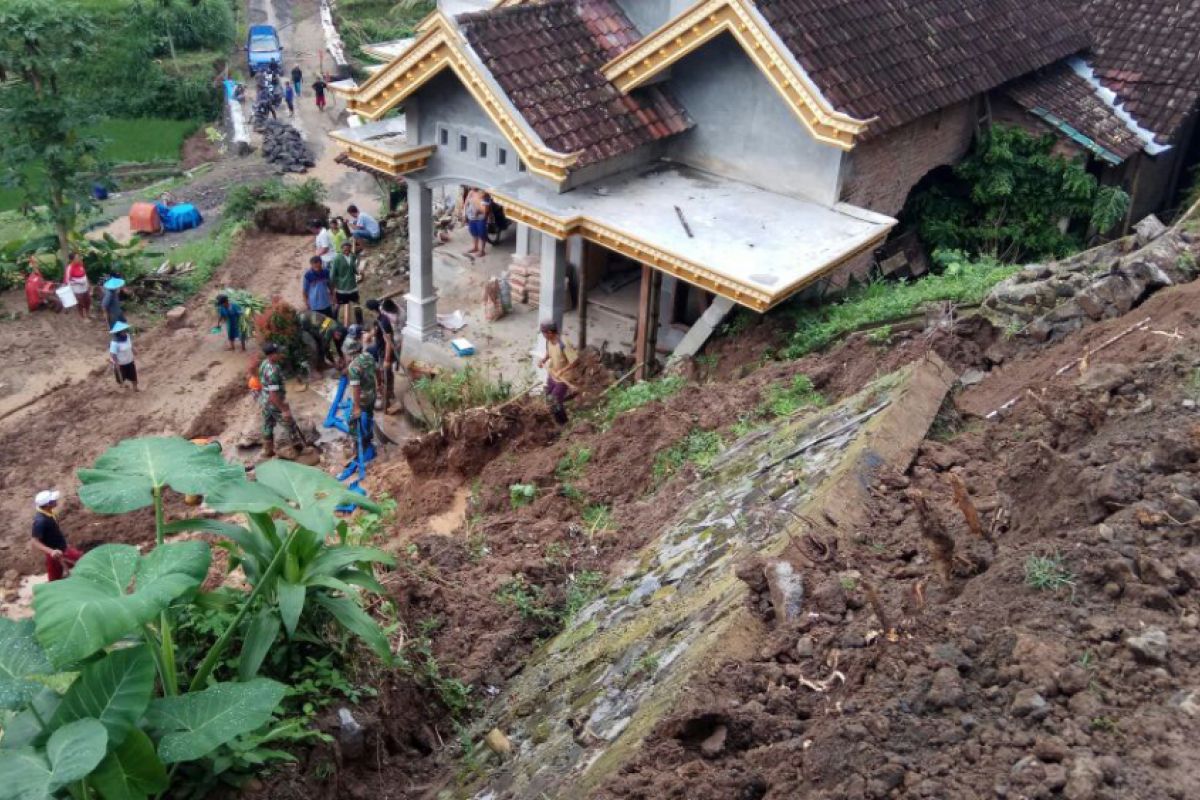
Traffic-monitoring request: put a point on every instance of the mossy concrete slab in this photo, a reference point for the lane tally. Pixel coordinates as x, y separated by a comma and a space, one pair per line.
590, 696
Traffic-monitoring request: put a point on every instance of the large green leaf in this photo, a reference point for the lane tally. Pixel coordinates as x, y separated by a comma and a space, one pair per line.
125, 476
96, 605
114, 690
252, 542
72, 752
24, 730
260, 635
193, 725
351, 617
131, 772
333, 560
291, 603
312, 495
21, 658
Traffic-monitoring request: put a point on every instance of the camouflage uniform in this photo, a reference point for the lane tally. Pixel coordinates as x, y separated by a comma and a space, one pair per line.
271, 378
361, 373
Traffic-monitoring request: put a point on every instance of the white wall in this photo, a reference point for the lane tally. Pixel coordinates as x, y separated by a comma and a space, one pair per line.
744, 129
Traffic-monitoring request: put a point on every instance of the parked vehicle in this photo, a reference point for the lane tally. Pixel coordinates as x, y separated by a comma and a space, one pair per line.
263, 48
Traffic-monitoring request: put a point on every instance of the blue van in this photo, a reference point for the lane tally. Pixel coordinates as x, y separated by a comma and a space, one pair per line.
263, 47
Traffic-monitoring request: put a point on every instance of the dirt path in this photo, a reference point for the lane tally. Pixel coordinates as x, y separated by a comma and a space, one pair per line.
188, 379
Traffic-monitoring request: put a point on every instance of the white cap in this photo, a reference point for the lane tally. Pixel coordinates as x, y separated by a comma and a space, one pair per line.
46, 497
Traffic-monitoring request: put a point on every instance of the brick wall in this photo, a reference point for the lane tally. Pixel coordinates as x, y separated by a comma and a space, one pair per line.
879, 174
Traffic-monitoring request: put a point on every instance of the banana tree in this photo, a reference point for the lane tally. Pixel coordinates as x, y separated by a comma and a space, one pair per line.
292, 565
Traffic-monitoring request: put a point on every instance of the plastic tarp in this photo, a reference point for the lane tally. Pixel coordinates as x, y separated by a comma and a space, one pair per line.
179, 217
143, 218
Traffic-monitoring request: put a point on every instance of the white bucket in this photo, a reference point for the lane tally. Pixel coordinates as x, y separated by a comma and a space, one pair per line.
66, 296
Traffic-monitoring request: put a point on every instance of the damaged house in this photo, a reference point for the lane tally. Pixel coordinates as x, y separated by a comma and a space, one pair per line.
736, 152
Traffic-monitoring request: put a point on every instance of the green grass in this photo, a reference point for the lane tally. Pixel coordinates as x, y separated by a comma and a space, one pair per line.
627, 398
1048, 574
598, 517
363, 22
126, 141
782, 400
698, 447
882, 301
571, 466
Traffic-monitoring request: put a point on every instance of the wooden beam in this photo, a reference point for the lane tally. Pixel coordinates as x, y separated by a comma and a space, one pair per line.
581, 291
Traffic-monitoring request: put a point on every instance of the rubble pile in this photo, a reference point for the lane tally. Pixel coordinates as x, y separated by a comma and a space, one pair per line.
1049, 301
283, 147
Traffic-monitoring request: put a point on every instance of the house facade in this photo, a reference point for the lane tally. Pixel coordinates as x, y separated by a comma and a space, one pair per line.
740, 151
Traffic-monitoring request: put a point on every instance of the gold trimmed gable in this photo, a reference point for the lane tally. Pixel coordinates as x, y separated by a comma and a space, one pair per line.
697, 274
707, 20
439, 46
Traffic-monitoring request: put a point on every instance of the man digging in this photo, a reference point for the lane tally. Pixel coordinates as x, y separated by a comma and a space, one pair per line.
275, 408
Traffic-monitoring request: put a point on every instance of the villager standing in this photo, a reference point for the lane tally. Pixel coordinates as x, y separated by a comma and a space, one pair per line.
75, 276
48, 537
229, 314
316, 288
386, 353
289, 97
560, 361
343, 274
297, 79
111, 302
475, 214
275, 408
361, 375
120, 353
319, 92
322, 241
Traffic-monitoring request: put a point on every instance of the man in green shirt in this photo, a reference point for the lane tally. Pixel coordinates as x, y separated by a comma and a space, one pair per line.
343, 274
361, 377
273, 397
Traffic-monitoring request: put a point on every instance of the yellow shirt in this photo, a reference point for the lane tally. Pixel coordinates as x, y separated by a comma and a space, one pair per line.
561, 355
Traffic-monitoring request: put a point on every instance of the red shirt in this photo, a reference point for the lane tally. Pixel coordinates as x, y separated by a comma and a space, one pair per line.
75, 270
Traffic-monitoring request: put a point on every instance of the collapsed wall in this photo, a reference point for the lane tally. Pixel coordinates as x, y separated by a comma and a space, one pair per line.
589, 697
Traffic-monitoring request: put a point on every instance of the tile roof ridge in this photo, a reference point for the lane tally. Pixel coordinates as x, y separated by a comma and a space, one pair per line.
504, 12
1084, 69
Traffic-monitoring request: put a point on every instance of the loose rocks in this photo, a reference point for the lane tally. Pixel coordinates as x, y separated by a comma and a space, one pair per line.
283, 147
1149, 647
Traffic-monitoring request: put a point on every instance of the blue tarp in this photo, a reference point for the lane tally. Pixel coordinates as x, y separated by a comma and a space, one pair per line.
180, 217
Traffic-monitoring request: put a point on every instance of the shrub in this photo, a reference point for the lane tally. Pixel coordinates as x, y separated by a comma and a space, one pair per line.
455, 390
790, 398
280, 324
699, 447
627, 398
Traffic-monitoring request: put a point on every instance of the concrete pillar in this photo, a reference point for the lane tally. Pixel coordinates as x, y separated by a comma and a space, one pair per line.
422, 297
528, 240
552, 301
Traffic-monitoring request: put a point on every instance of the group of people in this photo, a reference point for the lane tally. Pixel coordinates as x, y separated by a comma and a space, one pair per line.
272, 90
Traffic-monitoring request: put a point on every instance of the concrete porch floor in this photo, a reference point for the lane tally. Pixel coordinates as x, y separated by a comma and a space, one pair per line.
509, 347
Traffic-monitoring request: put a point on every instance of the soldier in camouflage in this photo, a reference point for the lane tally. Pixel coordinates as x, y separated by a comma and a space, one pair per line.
275, 409
361, 377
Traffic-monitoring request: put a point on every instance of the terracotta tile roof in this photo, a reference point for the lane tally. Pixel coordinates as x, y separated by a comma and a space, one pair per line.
1059, 95
547, 59
1148, 52
901, 59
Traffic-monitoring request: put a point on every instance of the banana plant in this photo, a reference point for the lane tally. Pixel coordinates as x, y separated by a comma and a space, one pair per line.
292, 565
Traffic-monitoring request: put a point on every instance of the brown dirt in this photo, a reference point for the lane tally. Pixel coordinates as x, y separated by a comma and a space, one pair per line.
991, 688
190, 386
287, 219
197, 150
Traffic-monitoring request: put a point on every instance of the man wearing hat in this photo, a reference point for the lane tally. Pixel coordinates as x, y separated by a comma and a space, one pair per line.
560, 360
48, 537
120, 352
111, 302
229, 314
275, 408
361, 376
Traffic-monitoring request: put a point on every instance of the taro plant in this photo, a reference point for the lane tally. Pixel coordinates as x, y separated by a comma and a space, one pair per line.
94, 702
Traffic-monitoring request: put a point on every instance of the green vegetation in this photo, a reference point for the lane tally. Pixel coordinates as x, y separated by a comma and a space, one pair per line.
882, 301
627, 398
534, 603
1191, 386
782, 400
571, 466
521, 494
1009, 196
363, 22
1048, 573
698, 448
598, 517
456, 390
129, 666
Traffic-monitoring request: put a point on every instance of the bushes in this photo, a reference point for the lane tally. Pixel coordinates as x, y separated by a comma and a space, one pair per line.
1009, 197
457, 390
